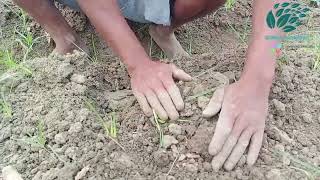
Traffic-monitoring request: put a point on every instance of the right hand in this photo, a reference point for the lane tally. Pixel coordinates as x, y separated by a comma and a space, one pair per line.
153, 86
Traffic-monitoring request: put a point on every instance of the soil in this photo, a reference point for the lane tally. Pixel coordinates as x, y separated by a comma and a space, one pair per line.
76, 143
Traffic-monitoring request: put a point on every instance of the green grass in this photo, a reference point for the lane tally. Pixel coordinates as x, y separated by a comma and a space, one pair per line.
160, 131
109, 128
39, 140
311, 171
204, 93
94, 49
230, 4
5, 108
8, 62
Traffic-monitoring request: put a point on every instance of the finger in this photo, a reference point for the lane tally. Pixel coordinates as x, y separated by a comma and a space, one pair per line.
238, 150
222, 131
215, 103
255, 146
155, 104
221, 157
174, 93
180, 74
143, 103
167, 104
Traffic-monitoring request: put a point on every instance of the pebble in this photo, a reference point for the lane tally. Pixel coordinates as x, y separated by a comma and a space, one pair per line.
5, 134
60, 138
191, 167
10, 173
175, 129
283, 135
280, 107
81, 174
192, 156
169, 140
71, 152
78, 78
182, 157
274, 174
203, 102
207, 166
75, 128
171, 178
306, 117
279, 147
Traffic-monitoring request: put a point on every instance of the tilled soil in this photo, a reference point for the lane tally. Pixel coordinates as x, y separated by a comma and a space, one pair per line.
76, 142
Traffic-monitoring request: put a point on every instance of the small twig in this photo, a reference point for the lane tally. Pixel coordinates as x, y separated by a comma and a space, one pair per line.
175, 160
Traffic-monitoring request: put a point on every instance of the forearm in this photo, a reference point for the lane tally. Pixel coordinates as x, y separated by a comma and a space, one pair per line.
260, 62
109, 22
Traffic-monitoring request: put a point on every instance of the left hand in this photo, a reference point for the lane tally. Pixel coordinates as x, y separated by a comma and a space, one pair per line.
244, 107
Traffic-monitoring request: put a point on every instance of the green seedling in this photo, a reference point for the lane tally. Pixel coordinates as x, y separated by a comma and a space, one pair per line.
27, 41
156, 120
5, 108
8, 61
40, 140
312, 172
94, 49
204, 93
110, 129
230, 4
113, 128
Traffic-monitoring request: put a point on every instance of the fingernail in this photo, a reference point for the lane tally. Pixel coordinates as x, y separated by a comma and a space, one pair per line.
212, 151
228, 166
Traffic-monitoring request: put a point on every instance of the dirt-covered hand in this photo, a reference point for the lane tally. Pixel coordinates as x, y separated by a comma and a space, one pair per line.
154, 88
244, 107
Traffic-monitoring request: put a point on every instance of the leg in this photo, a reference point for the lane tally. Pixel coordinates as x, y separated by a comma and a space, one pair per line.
184, 11
45, 13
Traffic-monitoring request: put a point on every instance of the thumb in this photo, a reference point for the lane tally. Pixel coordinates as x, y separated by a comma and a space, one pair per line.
180, 74
215, 103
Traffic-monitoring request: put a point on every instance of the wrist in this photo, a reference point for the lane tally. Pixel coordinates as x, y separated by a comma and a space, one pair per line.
137, 63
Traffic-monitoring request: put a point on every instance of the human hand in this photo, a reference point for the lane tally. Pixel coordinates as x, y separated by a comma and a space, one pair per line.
153, 86
244, 107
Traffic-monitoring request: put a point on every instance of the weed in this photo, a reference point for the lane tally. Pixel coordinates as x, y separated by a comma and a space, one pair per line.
5, 108
230, 4
243, 36
40, 140
311, 171
27, 41
204, 93
110, 129
8, 61
156, 120
94, 49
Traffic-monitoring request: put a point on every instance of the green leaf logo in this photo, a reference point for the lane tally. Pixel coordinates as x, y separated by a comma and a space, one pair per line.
295, 5
271, 21
288, 28
285, 4
306, 10
287, 10
279, 12
302, 15
293, 19
283, 20
286, 16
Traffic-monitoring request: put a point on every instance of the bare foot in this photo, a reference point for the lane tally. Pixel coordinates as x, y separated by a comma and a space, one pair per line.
69, 43
167, 41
